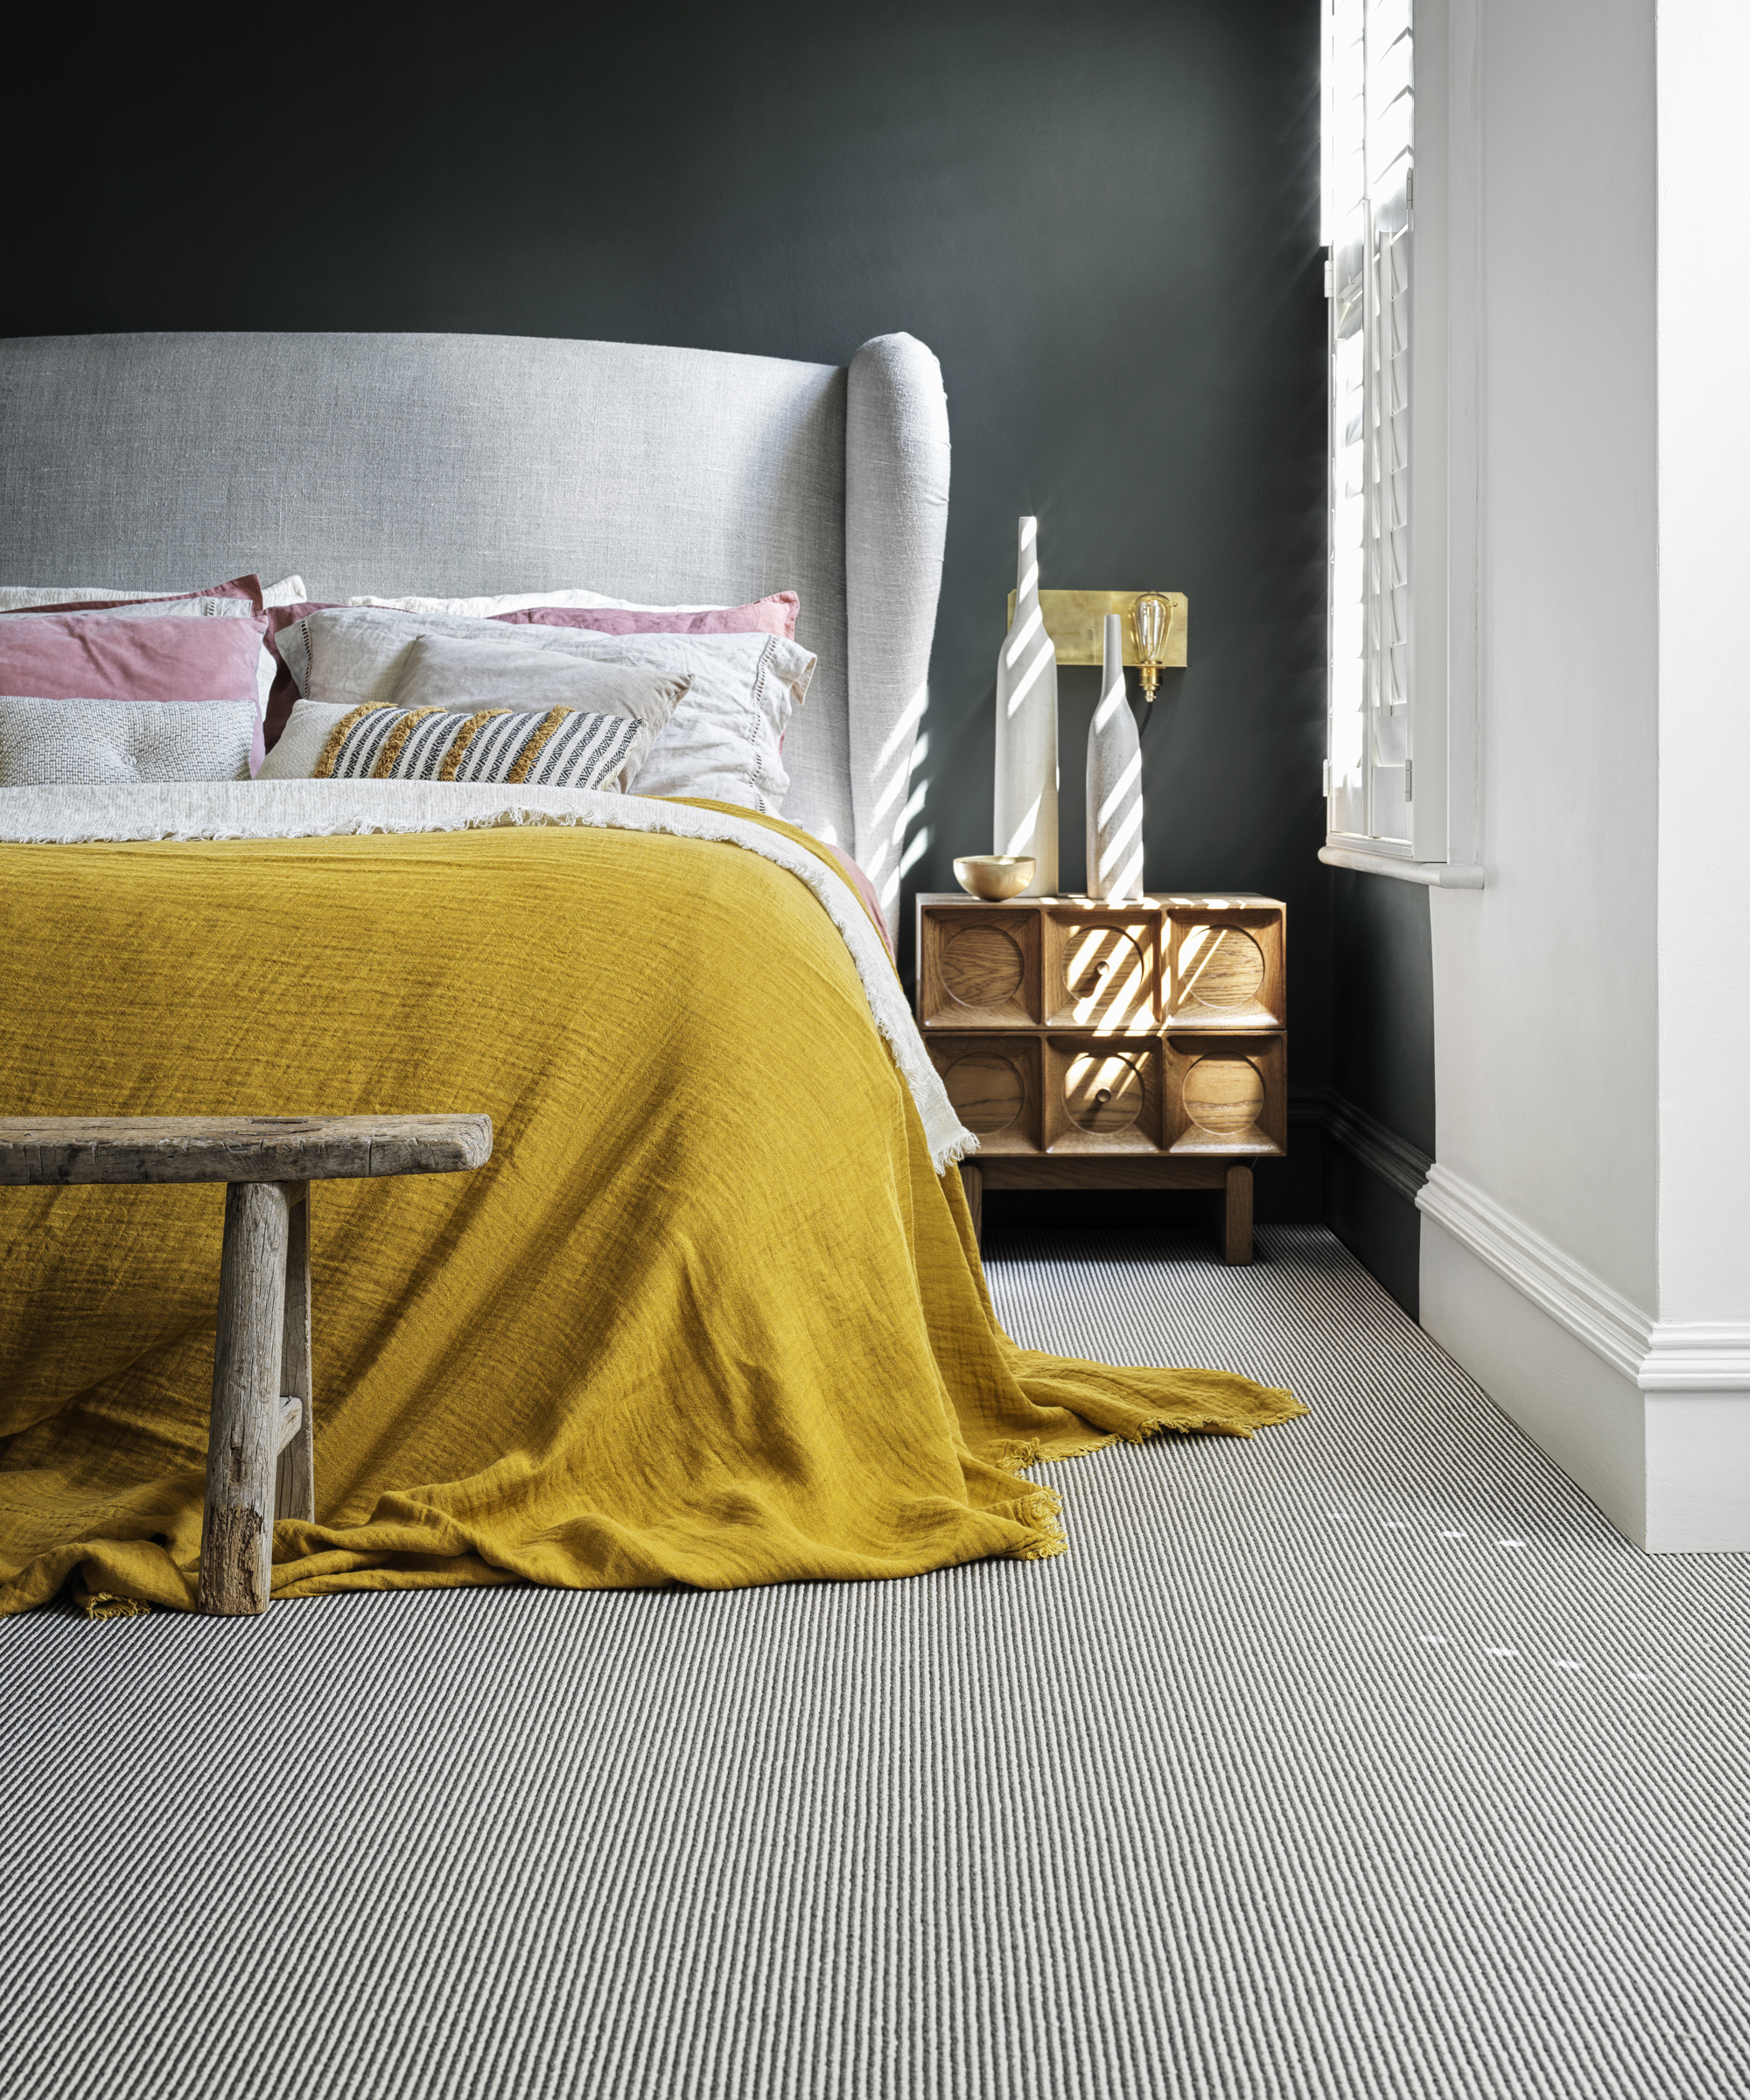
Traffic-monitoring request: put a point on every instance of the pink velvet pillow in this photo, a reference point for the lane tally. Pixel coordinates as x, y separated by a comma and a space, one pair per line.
774, 615
87, 657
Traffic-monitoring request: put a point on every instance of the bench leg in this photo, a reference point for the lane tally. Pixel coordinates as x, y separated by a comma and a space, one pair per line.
295, 1489
1236, 1217
244, 1441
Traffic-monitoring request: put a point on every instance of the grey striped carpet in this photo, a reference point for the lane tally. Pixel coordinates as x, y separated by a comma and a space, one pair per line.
1363, 1759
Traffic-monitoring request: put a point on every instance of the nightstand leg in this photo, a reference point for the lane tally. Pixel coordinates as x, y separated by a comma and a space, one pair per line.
972, 1181
1236, 1217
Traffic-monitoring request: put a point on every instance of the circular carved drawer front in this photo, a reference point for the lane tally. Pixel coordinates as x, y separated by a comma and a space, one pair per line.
1224, 1096
1103, 972
982, 967
988, 1091
1220, 966
1104, 1094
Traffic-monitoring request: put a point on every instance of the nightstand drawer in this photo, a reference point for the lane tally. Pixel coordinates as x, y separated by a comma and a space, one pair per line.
1225, 1096
993, 1082
1103, 969
1102, 1095
978, 967
1223, 965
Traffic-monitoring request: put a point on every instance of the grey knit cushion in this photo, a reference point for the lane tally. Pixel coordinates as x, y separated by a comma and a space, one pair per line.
98, 743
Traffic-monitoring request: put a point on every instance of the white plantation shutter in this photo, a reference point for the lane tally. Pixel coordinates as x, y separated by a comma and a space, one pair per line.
1369, 143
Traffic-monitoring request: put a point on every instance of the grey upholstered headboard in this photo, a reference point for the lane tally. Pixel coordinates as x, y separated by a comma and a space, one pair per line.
457, 465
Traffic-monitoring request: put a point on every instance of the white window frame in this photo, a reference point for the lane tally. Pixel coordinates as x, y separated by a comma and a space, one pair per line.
1443, 848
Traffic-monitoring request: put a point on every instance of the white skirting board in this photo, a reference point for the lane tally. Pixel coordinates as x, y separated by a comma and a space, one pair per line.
1587, 1416
1653, 1421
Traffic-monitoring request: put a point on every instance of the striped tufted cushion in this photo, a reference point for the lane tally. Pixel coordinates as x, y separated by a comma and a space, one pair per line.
565, 747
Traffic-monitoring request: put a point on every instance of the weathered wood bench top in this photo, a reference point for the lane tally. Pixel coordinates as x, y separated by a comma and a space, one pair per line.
55, 1150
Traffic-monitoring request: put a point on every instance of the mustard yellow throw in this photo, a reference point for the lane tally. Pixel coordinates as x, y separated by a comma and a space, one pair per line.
707, 1317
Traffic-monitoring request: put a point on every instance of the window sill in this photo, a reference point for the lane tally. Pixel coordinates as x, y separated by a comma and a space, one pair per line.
1432, 874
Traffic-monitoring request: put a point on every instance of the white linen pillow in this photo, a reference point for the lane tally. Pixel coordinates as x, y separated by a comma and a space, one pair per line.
473, 671
724, 740
20, 597
302, 742
142, 608
105, 743
489, 608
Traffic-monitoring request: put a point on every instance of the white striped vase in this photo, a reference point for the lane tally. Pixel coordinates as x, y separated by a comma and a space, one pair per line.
1115, 782
1026, 728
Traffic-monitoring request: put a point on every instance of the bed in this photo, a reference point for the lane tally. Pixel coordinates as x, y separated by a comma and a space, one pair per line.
714, 1314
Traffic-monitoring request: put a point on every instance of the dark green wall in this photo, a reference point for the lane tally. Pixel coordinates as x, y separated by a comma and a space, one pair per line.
1102, 218
1382, 1024
1382, 1062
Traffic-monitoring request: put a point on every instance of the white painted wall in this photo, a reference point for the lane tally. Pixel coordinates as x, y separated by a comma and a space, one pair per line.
1703, 668
1591, 1001
1545, 1024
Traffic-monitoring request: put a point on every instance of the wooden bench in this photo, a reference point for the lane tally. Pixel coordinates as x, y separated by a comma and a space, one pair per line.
259, 1462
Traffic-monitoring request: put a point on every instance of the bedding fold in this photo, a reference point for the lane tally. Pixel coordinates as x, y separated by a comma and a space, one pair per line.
711, 1315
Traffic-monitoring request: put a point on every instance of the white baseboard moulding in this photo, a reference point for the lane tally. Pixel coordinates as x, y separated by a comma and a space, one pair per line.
1401, 1166
1651, 1419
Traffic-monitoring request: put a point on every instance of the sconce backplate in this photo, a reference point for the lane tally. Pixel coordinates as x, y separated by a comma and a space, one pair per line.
1076, 622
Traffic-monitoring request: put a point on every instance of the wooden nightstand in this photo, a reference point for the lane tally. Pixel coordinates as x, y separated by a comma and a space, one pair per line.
1111, 1046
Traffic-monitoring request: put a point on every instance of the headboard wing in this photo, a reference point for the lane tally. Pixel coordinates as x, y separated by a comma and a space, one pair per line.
457, 465
896, 461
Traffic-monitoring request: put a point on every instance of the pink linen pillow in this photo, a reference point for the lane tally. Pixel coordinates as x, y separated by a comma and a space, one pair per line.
774, 615
88, 656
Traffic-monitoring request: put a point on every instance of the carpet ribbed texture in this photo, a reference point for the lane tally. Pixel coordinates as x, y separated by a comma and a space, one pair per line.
1362, 1758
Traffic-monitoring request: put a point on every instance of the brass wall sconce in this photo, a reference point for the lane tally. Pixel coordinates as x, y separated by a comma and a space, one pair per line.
1155, 624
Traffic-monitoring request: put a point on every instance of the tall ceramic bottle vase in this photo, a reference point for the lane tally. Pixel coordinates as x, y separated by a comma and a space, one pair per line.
1115, 782
1026, 728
